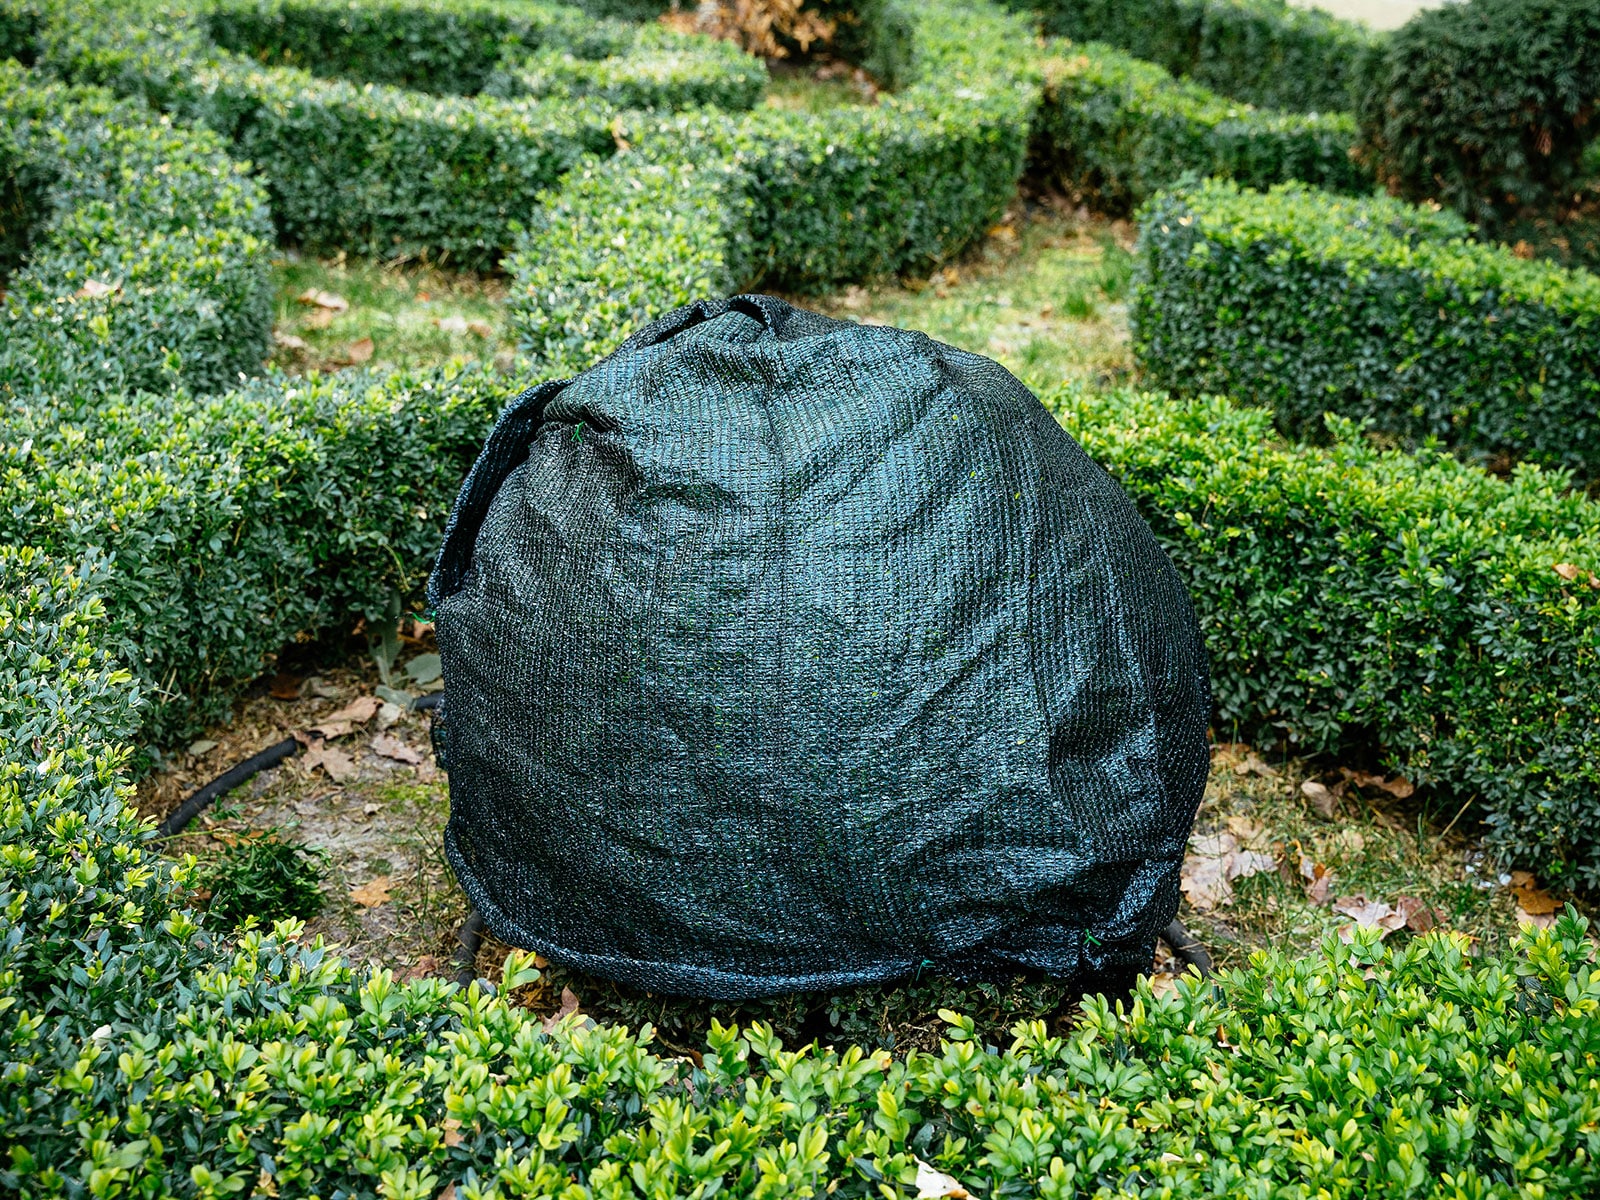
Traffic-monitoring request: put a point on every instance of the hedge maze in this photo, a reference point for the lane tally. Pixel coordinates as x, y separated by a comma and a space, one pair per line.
170, 517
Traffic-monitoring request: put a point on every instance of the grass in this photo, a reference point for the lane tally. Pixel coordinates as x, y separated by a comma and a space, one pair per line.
396, 315
1045, 293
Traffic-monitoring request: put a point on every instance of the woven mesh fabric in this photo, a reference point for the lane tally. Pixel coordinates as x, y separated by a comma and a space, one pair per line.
783, 653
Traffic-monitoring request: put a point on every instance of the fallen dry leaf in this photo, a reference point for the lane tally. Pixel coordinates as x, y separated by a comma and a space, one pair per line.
1567, 571
1214, 861
1370, 914
1321, 798
358, 712
288, 340
318, 753
318, 318
1252, 765
316, 298
1535, 902
373, 893
357, 353
935, 1185
202, 747
454, 323
1246, 829
427, 965
1399, 787
1319, 880
94, 289
1419, 918
284, 686
449, 1192
481, 328
569, 1005
390, 746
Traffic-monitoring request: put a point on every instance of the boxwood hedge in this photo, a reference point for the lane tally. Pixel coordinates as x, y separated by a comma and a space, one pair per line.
1265, 52
1115, 129
786, 199
1360, 601
144, 1056
1371, 308
366, 168
231, 524
446, 47
657, 68
136, 248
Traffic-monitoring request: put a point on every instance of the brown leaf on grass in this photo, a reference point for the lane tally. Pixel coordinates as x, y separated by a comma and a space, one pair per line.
1370, 914
1214, 861
1247, 829
569, 1005
1322, 800
374, 892
1253, 765
1530, 897
1319, 880
1567, 571
94, 289
481, 328
318, 753
390, 746
1399, 787
318, 318
1419, 918
424, 967
1537, 920
454, 323
358, 712
317, 298
357, 353
452, 1132
288, 341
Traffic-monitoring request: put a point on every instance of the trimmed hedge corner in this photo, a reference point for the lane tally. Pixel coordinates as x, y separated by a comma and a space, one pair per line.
1115, 130
1311, 303
1362, 599
1264, 52
797, 201
146, 1057
137, 250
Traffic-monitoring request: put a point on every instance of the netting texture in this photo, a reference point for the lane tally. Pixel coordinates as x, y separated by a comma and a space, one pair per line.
783, 653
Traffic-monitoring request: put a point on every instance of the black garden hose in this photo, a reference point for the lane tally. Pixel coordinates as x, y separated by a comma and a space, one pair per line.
199, 801
1186, 950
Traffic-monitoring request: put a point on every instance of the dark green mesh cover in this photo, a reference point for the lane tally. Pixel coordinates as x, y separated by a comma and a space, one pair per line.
784, 653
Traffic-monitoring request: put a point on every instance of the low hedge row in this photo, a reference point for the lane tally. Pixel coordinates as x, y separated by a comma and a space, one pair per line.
231, 524
364, 168
136, 248
1357, 599
1265, 52
786, 199
1116, 129
1373, 309
146, 1058
446, 47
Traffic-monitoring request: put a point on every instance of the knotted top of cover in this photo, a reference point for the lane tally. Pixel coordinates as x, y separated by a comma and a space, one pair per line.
785, 653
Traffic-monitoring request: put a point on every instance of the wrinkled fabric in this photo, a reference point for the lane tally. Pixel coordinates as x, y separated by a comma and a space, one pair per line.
783, 653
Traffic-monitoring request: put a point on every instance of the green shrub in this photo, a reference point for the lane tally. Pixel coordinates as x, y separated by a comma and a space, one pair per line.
1381, 312
1116, 130
447, 47
1485, 106
1356, 599
367, 168
1264, 52
145, 1059
785, 199
231, 524
660, 68
262, 876
138, 258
